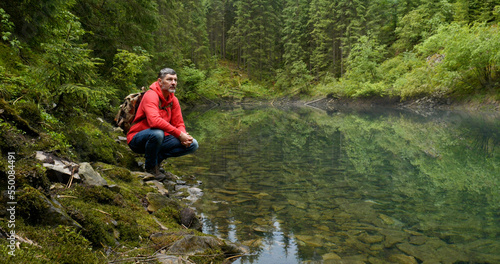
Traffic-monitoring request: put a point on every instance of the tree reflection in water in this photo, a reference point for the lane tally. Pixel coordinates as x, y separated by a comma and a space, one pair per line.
377, 186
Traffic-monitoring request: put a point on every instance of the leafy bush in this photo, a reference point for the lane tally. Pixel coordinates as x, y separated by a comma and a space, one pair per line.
467, 56
190, 80
363, 60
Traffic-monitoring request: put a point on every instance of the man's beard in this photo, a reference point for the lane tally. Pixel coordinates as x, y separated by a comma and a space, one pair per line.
169, 89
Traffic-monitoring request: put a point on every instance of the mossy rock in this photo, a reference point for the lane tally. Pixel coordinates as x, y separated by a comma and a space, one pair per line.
31, 172
11, 138
61, 244
115, 173
96, 227
9, 114
94, 142
100, 195
36, 209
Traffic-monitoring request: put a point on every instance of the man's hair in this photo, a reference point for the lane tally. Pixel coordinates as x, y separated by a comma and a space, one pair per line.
165, 71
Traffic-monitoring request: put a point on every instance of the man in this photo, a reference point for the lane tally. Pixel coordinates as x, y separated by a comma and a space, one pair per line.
159, 131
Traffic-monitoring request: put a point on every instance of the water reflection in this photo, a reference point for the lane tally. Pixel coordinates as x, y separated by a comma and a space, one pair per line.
305, 186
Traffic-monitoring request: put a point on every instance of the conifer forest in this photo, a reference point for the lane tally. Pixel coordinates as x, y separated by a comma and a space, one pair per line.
89, 54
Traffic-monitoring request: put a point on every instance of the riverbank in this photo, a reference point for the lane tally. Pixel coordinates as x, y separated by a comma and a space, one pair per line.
122, 214
101, 213
423, 106
73, 192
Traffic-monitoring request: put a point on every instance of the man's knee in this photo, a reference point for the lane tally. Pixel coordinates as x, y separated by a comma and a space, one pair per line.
156, 135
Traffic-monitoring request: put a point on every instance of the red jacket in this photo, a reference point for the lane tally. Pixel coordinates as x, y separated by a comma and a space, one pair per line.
149, 114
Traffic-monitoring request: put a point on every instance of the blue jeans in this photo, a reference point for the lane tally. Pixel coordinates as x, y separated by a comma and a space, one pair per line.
156, 146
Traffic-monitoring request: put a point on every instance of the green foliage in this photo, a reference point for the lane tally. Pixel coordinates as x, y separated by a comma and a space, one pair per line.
363, 60
296, 78
190, 82
252, 37
127, 66
6, 29
225, 82
421, 23
219, 82
117, 25
469, 57
66, 70
30, 112
391, 70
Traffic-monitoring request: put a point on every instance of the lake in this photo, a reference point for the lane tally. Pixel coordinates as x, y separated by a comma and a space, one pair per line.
302, 185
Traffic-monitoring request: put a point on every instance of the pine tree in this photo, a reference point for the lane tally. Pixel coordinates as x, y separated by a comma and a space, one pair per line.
253, 37
295, 31
324, 37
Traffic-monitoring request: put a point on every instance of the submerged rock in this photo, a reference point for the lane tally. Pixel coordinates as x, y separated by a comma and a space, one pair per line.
434, 251
402, 259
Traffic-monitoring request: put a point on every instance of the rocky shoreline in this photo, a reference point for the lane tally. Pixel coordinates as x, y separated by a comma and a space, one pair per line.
173, 230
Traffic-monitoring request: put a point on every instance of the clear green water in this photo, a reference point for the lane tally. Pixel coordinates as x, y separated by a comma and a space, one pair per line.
301, 185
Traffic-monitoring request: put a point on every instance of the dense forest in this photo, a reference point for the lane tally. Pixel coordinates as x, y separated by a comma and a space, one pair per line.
90, 53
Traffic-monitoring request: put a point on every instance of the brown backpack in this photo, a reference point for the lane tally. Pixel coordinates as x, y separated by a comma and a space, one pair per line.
127, 111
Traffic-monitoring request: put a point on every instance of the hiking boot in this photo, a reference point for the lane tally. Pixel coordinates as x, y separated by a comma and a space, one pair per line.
155, 171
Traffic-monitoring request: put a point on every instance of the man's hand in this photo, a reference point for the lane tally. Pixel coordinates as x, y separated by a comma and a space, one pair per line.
186, 139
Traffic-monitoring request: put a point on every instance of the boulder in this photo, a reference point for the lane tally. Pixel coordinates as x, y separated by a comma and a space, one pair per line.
90, 176
402, 259
58, 170
158, 201
37, 208
159, 186
190, 220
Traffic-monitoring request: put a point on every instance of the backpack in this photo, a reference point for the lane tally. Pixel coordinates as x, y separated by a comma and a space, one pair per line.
126, 113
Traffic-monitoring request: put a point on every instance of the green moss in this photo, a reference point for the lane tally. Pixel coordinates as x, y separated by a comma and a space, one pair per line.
100, 195
30, 112
209, 256
95, 141
53, 245
168, 216
31, 172
107, 217
97, 227
9, 114
31, 205
114, 172
11, 138
128, 227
